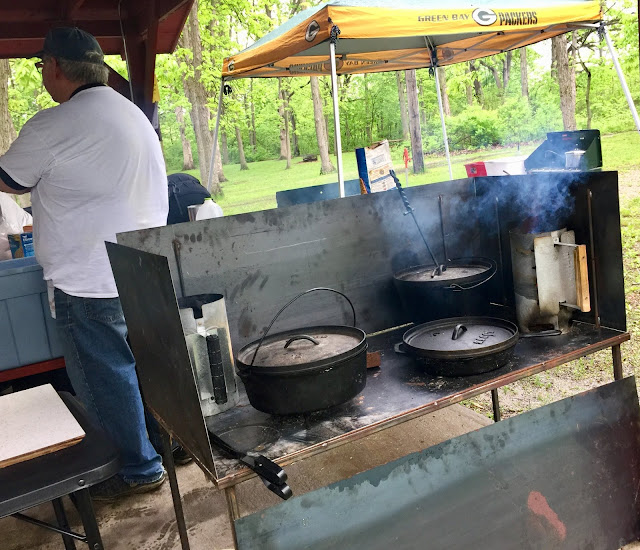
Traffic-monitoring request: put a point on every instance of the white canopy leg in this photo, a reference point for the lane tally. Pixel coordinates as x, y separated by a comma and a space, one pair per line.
214, 147
444, 127
336, 115
623, 82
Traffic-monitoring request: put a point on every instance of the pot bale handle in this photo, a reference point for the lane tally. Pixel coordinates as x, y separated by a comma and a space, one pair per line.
353, 310
459, 288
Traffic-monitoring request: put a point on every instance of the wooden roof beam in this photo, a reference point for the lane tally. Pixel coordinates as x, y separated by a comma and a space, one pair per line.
13, 31
69, 9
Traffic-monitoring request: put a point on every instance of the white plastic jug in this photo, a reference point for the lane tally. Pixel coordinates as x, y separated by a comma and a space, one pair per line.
209, 209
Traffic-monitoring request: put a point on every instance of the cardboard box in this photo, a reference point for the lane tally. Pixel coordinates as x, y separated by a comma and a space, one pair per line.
21, 245
374, 163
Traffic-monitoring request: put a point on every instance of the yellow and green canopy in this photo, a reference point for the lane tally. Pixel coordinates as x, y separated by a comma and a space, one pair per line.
390, 35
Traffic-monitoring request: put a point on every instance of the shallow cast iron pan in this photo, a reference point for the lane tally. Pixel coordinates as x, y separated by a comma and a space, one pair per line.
461, 346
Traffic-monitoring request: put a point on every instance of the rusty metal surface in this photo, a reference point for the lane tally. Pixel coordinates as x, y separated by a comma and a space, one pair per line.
398, 391
166, 377
562, 476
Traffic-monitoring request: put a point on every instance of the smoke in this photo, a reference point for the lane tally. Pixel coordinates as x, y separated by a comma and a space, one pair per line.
541, 202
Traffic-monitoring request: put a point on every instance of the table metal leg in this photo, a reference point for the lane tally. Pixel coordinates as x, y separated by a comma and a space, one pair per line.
496, 405
61, 518
617, 362
175, 490
233, 509
88, 517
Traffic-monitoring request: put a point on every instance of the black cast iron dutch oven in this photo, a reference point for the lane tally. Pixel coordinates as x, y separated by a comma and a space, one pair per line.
428, 293
305, 369
461, 346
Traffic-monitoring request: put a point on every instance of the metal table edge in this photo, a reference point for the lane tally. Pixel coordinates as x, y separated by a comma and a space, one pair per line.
246, 474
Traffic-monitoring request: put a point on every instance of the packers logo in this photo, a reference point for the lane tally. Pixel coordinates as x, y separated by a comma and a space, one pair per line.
326, 66
484, 16
232, 65
312, 31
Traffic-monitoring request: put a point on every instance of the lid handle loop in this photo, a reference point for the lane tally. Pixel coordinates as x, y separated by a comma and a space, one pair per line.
458, 331
301, 337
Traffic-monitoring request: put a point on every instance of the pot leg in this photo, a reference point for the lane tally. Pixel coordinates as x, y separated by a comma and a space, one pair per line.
233, 509
496, 405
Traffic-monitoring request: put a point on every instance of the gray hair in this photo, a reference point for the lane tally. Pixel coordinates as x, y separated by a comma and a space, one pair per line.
86, 72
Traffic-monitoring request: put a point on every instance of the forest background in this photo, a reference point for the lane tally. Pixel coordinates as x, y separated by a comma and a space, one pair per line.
508, 99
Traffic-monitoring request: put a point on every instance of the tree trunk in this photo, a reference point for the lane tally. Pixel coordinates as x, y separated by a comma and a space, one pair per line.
506, 70
368, 110
283, 111
7, 129
442, 77
224, 147
477, 85
243, 161
524, 74
321, 129
566, 81
187, 155
294, 135
414, 122
252, 125
468, 88
587, 93
494, 72
197, 95
402, 99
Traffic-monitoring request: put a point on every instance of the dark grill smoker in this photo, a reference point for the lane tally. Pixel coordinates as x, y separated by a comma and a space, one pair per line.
575, 151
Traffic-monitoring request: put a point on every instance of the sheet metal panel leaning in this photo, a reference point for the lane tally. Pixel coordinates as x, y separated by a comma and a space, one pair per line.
94, 167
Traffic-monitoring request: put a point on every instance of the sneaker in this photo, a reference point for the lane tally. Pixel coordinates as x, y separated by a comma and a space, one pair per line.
180, 456
116, 487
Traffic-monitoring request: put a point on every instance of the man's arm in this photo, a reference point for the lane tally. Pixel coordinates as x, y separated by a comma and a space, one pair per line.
9, 185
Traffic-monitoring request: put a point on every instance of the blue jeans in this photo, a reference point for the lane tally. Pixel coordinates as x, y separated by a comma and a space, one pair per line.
102, 371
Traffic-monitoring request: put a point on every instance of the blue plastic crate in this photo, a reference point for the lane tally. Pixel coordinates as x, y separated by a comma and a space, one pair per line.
27, 332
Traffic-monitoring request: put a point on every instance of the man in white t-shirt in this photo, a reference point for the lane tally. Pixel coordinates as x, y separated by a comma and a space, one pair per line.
94, 167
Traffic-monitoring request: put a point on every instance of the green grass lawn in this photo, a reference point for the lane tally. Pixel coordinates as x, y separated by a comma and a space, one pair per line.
255, 189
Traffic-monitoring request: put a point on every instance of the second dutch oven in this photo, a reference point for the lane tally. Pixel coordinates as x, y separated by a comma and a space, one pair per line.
459, 290
461, 346
304, 369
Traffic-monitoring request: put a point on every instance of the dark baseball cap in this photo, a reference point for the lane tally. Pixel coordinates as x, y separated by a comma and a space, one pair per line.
72, 43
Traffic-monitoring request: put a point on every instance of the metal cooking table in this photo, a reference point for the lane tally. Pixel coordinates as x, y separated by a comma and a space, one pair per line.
396, 392
259, 260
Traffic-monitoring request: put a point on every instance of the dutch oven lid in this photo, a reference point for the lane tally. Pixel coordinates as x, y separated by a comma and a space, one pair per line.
457, 270
303, 349
461, 337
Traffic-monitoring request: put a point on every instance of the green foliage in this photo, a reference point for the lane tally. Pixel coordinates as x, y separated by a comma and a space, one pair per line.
474, 128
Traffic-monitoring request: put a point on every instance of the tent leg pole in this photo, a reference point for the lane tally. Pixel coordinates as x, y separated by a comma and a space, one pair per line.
336, 117
214, 147
444, 127
621, 78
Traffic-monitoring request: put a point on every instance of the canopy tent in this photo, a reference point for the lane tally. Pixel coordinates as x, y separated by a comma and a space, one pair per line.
391, 35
